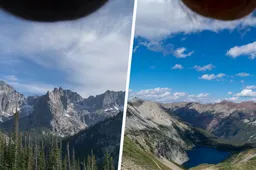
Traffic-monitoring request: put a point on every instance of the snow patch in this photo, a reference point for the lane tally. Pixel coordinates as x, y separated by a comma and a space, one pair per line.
245, 121
252, 123
116, 108
109, 109
67, 115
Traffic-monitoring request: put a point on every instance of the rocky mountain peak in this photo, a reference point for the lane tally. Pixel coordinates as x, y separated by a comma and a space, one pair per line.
61, 111
9, 100
63, 95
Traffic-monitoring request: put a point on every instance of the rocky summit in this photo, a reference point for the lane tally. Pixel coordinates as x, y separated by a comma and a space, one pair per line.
159, 133
60, 111
9, 100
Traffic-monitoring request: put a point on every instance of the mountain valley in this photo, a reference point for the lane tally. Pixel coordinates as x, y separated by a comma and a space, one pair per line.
164, 133
235, 122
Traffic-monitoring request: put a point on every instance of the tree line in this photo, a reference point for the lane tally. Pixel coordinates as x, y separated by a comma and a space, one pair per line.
23, 152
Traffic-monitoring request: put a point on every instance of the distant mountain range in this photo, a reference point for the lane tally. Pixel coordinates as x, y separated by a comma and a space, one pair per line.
228, 120
162, 133
60, 112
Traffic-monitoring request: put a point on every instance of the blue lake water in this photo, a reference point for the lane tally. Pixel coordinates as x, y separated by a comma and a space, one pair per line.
201, 155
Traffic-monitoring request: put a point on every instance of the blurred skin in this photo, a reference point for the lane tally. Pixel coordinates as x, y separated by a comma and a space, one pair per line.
222, 9
58, 10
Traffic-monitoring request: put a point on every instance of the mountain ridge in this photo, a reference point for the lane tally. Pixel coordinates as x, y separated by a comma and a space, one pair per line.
227, 120
61, 111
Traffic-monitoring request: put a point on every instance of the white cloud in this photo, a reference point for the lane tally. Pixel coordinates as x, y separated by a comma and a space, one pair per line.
207, 67
251, 87
246, 93
165, 95
156, 19
212, 76
230, 93
180, 53
32, 88
217, 101
164, 48
242, 74
27, 87
178, 95
232, 99
155, 94
177, 67
244, 50
10, 78
201, 97
156, 46
92, 52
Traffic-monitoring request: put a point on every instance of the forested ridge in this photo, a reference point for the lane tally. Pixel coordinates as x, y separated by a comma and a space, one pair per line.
27, 151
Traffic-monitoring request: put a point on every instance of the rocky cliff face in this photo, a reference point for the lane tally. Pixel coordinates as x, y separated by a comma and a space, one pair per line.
150, 125
228, 120
61, 112
9, 100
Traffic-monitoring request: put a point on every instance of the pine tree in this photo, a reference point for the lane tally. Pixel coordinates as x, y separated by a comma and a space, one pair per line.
68, 157
84, 165
111, 164
94, 163
29, 162
74, 163
88, 165
16, 138
78, 165
91, 162
64, 163
60, 155
41, 159
106, 162
54, 155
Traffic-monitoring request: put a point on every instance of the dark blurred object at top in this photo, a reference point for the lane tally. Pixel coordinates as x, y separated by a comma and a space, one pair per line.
51, 10
59, 10
222, 9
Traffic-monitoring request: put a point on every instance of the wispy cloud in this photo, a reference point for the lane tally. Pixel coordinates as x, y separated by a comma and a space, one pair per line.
212, 76
244, 50
156, 46
10, 78
92, 52
27, 87
251, 87
165, 95
243, 74
180, 53
207, 67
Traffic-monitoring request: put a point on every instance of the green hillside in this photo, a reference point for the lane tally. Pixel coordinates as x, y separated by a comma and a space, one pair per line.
140, 156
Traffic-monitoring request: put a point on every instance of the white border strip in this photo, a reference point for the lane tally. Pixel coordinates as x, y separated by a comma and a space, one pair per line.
127, 85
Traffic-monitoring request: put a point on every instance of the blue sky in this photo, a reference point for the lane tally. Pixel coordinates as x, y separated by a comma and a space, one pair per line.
89, 55
184, 59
